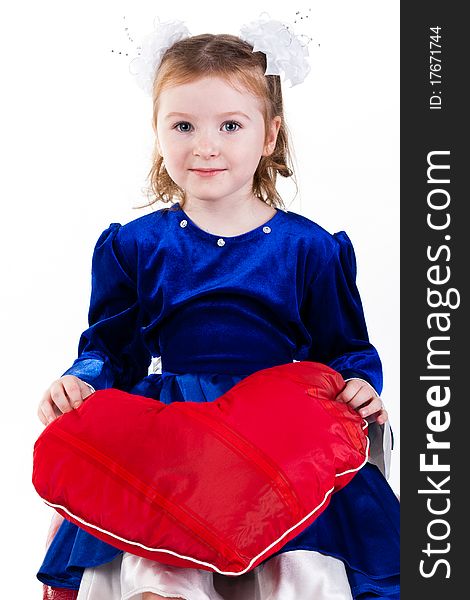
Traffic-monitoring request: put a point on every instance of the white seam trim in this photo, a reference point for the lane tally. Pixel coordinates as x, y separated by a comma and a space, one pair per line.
199, 562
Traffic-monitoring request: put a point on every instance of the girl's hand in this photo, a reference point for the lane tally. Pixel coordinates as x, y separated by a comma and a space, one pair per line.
362, 397
64, 395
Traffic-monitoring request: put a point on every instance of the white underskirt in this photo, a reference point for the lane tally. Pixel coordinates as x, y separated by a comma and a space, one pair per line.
294, 575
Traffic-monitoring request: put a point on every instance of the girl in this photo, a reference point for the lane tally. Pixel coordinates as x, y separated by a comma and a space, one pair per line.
220, 284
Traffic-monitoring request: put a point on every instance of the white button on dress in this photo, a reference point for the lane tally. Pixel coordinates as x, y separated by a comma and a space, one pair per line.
220, 242
267, 229
183, 223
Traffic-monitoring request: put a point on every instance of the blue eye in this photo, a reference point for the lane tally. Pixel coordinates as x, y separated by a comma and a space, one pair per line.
185, 127
184, 123
237, 125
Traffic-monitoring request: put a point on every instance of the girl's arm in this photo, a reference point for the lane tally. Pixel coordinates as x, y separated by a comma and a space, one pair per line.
335, 319
111, 352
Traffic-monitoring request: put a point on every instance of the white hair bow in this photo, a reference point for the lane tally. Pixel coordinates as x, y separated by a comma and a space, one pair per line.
286, 54
152, 48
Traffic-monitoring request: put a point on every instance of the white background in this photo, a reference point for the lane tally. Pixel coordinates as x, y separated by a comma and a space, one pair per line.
76, 146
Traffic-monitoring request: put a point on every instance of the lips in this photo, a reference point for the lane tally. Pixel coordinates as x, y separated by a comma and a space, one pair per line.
206, 172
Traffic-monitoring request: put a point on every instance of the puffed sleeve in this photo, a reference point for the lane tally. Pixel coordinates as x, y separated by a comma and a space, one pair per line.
335, 319
111, 352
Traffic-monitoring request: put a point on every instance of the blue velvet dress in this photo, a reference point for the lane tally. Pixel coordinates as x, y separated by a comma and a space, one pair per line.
216, 309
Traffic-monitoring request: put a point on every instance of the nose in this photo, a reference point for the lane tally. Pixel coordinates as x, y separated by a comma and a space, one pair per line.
205, 145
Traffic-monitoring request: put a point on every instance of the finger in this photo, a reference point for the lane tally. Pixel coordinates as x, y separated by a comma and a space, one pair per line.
45, 411
42, 416
373, 406
349, 391
382, 417
364, 398
73, 390
48, 413
86, 390
59, 397
376, 418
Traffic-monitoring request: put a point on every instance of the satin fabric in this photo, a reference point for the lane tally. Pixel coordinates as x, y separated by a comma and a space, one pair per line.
360, 526
291, 576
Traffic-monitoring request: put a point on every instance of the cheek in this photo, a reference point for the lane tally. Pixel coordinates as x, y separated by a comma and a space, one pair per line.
166, 142
252, 152
176, 165
257, 142
174, 168
174, 154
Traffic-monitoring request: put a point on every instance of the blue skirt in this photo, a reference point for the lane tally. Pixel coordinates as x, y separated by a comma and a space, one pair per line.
360, 526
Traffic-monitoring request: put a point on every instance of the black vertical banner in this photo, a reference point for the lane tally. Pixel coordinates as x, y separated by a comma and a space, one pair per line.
435, 257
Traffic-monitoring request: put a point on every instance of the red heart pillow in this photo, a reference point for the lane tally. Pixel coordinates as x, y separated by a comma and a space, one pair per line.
220, 485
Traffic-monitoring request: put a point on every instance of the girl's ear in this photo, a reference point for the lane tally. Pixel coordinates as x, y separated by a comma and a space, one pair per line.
271, 137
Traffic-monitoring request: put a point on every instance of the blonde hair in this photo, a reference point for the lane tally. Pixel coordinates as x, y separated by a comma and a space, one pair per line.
233, 59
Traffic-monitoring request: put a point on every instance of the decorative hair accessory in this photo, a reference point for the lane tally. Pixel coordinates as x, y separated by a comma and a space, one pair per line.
286, 53
151, 50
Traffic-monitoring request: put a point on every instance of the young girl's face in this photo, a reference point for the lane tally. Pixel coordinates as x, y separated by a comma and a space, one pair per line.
211, 137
